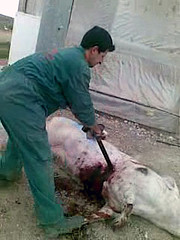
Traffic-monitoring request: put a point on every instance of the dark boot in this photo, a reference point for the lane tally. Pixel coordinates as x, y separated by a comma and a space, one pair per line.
67, 225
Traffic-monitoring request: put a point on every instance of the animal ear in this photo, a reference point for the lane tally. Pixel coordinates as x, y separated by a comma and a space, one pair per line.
142, 170
170, 182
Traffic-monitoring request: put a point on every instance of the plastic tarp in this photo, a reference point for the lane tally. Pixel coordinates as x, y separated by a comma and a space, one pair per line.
140, 81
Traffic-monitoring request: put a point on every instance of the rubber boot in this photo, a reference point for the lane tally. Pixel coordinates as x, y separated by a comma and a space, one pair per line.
66, 226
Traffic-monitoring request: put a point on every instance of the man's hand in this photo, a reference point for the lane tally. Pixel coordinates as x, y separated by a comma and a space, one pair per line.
96, 131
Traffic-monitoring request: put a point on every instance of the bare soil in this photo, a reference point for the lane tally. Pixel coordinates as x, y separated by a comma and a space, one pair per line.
17, 219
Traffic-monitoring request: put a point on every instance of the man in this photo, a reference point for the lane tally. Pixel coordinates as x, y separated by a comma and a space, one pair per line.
30, 90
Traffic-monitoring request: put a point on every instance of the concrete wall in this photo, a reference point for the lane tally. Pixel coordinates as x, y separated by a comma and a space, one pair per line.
26, 29
39, 25
32, 7
54, 24
24, 36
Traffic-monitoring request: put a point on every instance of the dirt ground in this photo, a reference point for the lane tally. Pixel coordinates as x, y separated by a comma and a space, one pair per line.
17, 219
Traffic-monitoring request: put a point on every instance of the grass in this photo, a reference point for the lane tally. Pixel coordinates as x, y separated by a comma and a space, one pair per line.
4, 50
5, 39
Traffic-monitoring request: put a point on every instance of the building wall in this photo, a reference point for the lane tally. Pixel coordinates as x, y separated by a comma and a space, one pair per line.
24, 36
39, 25
32, 7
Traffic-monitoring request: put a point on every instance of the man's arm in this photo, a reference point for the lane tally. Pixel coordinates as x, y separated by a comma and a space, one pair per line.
76, 92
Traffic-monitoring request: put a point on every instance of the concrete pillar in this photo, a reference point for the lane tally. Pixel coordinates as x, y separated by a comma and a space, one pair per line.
54, 24
32, 7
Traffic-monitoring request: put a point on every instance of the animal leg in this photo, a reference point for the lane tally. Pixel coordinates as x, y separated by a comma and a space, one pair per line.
121, 219
103, 214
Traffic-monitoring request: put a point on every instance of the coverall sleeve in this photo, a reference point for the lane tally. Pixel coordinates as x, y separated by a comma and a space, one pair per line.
76, 92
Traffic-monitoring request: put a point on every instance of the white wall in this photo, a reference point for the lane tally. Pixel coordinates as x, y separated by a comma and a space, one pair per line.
24, 36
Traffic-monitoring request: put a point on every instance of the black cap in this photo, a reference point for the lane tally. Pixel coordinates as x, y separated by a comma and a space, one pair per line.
98, 36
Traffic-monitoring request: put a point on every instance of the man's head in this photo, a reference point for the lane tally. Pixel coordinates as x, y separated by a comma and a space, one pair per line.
97, 42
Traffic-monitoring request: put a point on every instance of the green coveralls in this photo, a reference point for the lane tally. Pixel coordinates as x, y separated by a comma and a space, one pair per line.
30, 90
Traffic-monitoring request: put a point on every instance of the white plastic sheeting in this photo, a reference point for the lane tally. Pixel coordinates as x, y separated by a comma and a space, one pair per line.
140, 81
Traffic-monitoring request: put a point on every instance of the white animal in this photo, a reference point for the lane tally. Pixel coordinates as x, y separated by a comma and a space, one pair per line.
132, 188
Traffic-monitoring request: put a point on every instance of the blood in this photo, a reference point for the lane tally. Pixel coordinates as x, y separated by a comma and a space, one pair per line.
94, 177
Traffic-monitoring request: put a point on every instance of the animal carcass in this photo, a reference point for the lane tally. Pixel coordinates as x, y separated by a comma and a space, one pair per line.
132, 188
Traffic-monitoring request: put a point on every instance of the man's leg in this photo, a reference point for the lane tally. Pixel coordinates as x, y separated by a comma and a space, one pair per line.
39, 171
31, 138
10, 162
22, 113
